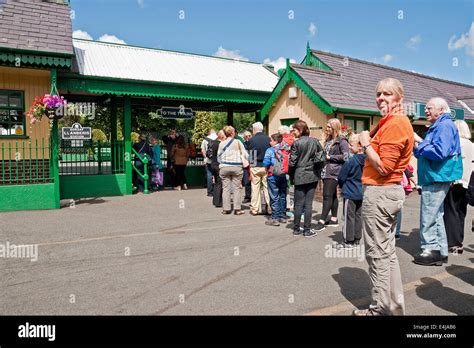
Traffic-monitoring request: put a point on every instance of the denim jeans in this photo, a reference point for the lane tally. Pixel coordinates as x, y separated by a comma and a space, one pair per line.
277, 190
209, 179
432, 230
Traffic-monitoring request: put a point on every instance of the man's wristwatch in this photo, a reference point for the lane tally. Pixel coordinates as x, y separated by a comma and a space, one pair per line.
365, 147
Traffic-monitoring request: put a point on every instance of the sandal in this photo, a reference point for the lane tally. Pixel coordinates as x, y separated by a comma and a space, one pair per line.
239, 212
226, 212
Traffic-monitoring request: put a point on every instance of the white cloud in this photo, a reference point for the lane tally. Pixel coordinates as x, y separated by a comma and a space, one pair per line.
79, 34
141, 3
312, 29
466, 40
235, 54
111, 38
279, 63
387, 58
414, 42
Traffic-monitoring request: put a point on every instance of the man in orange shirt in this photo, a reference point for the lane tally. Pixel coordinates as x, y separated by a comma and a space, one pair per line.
388, 148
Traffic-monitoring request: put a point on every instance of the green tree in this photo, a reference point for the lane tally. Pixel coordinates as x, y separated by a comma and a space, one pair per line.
202, 125
98, 135
244, 121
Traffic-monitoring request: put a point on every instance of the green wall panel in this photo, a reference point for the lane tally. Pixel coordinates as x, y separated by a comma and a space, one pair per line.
27, 197
82, 186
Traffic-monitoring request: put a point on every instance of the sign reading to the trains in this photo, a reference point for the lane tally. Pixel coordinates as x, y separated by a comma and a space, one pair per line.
176, 112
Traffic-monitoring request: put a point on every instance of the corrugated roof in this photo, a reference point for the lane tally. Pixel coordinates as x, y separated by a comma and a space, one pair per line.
352, 83
36, 25
109, 60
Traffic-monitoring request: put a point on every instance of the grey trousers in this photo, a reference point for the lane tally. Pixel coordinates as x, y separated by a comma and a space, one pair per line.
231, 176
379, 209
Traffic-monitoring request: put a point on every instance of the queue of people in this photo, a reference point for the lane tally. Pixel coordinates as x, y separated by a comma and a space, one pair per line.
371, 169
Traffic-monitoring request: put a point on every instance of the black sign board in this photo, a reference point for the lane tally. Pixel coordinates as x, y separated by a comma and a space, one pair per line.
76, 132
176, 112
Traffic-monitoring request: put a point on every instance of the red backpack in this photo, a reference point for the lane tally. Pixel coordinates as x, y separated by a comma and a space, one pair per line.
281, 162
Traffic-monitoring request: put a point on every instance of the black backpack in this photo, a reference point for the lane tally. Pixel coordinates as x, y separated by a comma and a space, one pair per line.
209, 152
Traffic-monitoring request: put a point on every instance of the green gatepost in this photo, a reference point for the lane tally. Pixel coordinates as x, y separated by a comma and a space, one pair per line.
127, 130
113, 132
55, 147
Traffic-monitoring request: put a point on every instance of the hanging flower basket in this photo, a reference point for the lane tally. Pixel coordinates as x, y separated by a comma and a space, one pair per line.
346, 131
46, 105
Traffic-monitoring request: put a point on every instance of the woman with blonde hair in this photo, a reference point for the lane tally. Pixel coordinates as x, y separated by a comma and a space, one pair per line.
455, 203
231, 155
337, 152
388, 147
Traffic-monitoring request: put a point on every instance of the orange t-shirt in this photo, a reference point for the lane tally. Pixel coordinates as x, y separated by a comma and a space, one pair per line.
393, 141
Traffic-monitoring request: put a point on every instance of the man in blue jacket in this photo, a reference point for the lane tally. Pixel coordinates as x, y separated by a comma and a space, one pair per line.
439, 164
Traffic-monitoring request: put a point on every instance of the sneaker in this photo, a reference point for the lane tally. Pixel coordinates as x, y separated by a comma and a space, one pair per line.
282, 220
178, 188
456, 250
272, 223
297, 231
319, 227
185, 186
331, 223
364, 312
397, 237
310, 233
344, 245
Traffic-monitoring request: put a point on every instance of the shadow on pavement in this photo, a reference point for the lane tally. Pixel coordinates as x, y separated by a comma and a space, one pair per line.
445, 298
355, 285
66, 203
409, 241
464, 273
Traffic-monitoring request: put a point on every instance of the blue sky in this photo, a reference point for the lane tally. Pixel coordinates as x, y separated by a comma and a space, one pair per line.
430, 37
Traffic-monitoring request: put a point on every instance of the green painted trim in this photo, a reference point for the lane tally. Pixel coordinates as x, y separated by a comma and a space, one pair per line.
284, 80
158, 89
127, 132
37, 52
55, 147
14, 137
291, 75
34, 59
308, 55
318, 63
21, 108
358, 111
85, 186
319, 101
27, 197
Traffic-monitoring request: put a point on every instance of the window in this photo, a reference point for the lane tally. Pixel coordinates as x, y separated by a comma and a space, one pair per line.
12, 113
357, 124
288, 121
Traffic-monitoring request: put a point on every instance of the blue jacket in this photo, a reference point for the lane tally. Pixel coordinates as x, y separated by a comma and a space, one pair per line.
269, 161
439, 154
350, 176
